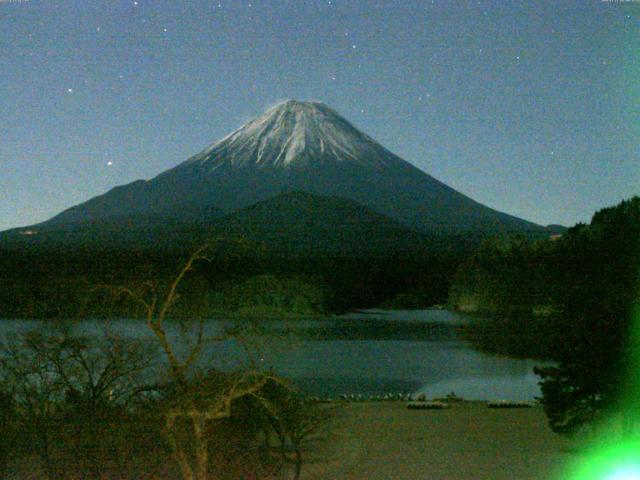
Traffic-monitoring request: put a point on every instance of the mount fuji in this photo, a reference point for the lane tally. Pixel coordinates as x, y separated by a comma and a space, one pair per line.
295, 147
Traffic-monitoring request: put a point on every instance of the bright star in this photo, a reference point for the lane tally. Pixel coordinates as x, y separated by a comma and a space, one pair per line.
109, 163
70, 90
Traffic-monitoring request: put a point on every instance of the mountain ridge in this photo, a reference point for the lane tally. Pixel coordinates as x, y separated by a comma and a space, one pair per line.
302, 146
291, 223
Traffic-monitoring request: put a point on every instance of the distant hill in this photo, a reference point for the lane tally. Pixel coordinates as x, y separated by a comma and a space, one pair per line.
300, 223
293, 223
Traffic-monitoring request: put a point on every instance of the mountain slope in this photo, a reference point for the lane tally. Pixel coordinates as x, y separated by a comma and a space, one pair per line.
154, 228
299, 223
292, 223
302, 146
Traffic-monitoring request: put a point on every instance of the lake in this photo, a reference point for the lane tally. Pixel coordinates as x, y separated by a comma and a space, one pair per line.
369, 353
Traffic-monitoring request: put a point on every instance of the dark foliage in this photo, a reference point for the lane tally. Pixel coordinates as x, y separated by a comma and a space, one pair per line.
7, 428
78, 408
60, 283
598, 302
586, 285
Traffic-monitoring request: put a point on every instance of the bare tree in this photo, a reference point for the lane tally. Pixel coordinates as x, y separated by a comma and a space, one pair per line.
195, 403
54, 377
297, 422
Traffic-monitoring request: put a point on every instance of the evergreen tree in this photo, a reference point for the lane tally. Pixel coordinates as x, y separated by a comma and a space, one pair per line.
597, 300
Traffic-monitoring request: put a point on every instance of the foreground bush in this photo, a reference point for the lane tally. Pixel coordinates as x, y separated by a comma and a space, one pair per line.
72, 410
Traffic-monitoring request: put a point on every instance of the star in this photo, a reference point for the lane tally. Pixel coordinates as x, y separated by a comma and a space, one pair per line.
353, 46
109, 163
135, 4
70, 90
517, 57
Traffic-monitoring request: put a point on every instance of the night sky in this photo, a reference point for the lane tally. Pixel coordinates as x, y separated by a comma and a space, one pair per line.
532, 108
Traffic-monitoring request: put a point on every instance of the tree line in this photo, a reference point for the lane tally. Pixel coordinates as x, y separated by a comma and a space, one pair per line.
59, 283
571, 300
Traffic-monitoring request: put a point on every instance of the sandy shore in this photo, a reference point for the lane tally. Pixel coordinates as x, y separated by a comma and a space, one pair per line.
385, 440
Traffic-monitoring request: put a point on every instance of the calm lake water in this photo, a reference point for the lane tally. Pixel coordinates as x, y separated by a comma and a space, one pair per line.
369, 353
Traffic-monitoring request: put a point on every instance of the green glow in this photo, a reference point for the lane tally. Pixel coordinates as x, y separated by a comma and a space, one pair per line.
630, 472
613, 461
615, 451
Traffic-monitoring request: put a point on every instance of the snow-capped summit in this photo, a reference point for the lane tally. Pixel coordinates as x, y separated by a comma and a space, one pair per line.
299, 146
294, 133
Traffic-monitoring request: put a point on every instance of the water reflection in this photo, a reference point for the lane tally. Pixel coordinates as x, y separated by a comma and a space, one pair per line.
368, 353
